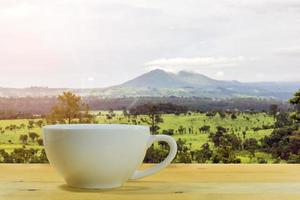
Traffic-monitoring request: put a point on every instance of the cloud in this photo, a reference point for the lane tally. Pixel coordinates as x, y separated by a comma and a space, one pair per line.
220, 74
45, 39
180, 63
90, 78
292, 51
259, 76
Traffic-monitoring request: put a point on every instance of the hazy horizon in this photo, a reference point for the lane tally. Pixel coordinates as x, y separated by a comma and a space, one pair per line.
41, 86
95, 44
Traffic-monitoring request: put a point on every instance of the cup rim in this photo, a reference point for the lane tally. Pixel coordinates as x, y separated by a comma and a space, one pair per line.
94, 127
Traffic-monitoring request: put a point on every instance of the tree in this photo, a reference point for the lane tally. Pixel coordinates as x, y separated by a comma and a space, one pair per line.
222, 114
283, 119
23, 138
244, 135
39, 123
251, 145
30, 124
43, 158
153, 112
40, 142
294, 158
223, 139
216, 137
283, 142
6, 158
204, 128
181, 130
125, 112
211, 114
204, 154
33, 136
273, 110
168, 132
23, 155
295, 100
225, 154
155, 155
68, 107
233, 116
108, 117
183, 152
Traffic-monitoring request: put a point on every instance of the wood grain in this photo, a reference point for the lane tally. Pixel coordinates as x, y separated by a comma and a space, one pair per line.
179, 181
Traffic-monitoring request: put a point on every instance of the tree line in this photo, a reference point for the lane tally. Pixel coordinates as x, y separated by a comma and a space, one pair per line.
34, 107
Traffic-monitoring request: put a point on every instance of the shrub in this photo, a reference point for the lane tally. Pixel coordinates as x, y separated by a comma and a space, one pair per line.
261, 160
294, 158
204, 154
33, 136
23, 155
40, 141
168, 132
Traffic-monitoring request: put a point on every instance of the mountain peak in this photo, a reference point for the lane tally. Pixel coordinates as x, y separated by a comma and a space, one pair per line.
157, 71
154, 79
159, 78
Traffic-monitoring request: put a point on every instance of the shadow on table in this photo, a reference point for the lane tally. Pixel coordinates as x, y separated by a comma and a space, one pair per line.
126, 189
123, 189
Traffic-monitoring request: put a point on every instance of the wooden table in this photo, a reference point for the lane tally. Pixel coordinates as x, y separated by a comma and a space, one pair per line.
180, 181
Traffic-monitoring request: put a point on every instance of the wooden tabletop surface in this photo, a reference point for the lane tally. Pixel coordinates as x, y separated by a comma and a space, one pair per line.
178, 181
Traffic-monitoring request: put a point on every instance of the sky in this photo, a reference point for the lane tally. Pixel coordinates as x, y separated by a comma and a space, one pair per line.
97, 43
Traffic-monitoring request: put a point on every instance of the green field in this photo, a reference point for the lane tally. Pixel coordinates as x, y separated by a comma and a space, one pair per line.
9, 139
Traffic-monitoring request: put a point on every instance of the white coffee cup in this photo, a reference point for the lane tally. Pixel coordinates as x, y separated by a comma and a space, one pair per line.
101, 155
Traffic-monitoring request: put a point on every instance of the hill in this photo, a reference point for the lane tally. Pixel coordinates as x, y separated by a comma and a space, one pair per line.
183, 83
159, 83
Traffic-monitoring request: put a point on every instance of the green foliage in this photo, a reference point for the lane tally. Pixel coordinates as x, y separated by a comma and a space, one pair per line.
251, 145
183, 152
33, 136
40, 141
204, 128
23, 155
68, 107
283, 143
153, 113
296, 102
225, 154
294, 158
261, 160
168, 132
23, 138
283, 119
155, 155
39, 123
273, 110
233, 116
204, 154
222, 138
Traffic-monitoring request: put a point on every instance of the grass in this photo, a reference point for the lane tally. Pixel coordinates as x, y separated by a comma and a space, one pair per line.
244, 122
15, 134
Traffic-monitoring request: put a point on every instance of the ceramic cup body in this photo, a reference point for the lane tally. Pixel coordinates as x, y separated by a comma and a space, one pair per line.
101, 156
96, 156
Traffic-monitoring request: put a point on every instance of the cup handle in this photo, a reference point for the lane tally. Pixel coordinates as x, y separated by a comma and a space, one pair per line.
173, 150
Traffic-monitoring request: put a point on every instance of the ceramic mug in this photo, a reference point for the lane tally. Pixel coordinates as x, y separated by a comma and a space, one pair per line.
101, 155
